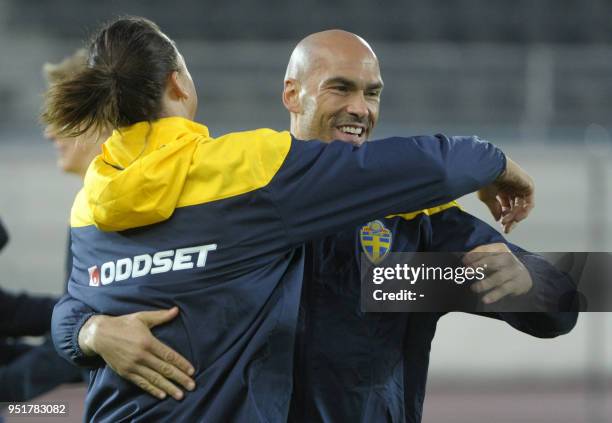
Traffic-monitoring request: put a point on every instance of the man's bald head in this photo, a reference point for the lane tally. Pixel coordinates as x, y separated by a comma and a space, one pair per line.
320, 48
332, 87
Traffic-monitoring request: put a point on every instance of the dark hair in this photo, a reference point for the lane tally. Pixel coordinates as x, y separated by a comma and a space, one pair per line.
129, 63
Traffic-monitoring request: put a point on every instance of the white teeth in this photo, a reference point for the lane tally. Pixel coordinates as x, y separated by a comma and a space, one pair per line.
351, 130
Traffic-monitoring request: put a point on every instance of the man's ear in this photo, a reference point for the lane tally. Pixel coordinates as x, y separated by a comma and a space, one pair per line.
176, 88
291, 96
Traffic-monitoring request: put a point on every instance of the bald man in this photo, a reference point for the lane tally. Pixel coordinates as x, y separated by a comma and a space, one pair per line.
332, 91
350, 366
324, 70
355, 366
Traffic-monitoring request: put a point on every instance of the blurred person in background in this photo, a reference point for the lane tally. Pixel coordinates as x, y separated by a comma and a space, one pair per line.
349, 364
28, 371
73, 154
24, 369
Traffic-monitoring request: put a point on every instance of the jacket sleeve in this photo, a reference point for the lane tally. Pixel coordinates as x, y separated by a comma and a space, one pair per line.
550, 286
456, 230
24, 314
69, 316
322, 188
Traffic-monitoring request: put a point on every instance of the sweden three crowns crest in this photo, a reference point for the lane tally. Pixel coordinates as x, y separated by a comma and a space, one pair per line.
375, 241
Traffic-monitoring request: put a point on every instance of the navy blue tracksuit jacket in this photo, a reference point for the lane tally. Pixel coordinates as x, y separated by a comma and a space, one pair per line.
217, 226
353, 366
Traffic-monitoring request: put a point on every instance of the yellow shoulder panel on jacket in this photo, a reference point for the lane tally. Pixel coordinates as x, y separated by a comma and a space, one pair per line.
80, 214
234, 164
428, 212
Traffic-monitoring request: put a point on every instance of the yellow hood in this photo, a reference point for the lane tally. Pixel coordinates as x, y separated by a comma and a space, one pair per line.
139, 177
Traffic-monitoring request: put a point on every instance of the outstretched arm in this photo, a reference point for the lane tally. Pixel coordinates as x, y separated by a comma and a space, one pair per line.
322, 188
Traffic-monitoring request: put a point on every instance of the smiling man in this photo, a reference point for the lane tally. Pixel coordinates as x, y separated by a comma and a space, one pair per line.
349, 365
325, 72
356, 366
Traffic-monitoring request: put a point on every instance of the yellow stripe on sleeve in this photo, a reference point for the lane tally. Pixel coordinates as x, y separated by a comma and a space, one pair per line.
428, 212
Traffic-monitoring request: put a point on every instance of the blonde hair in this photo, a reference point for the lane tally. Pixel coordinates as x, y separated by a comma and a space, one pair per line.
67, 68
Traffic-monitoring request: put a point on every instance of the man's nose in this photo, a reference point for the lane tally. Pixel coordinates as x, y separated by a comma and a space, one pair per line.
357, 105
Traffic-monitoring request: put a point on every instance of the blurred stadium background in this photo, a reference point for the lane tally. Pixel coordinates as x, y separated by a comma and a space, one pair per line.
532, 76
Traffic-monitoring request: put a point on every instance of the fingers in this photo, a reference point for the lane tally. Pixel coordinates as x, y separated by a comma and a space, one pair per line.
156, 317
505, 274
498, 293
518, 209
509, 213
146, 386
161, 359
488, 195
169, 371
512, 208
516, 194
168, 355
158, 381
500, 271
485, 258
495, 247
490, 282
523, 207
509, 227
505, 202
499, 285
473, 256
130, 349
495, 208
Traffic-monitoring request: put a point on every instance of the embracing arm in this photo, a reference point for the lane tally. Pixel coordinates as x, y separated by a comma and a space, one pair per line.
549, 287
69, 316
323, 188
531, 275
125, 343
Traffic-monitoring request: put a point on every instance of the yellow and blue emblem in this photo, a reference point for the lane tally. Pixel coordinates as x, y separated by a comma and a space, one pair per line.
375, 241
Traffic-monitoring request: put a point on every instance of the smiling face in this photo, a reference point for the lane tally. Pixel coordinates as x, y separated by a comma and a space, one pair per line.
335, 92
